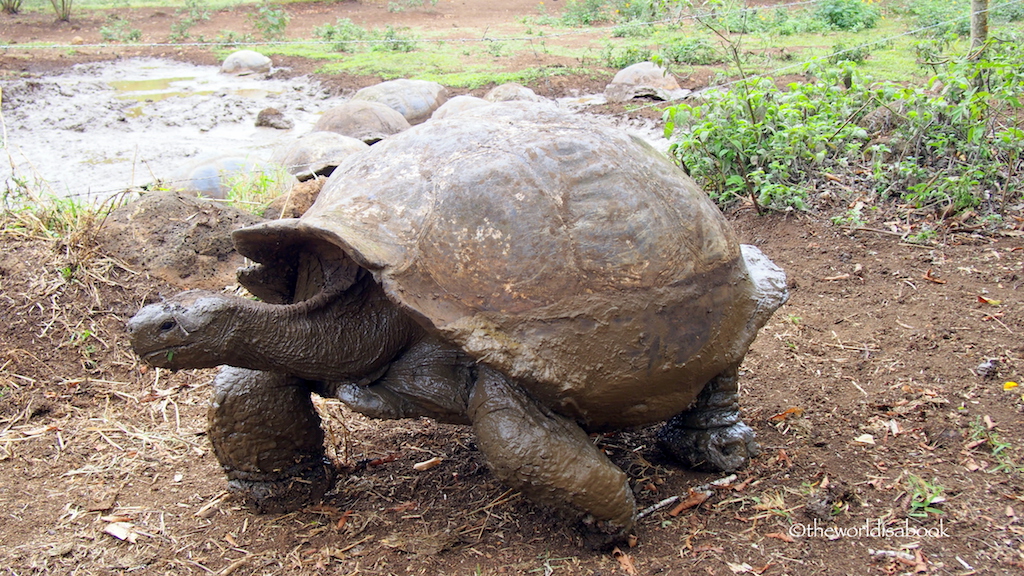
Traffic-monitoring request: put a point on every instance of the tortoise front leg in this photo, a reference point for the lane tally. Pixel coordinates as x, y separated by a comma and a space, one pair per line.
549, 458
711, 434
267, 437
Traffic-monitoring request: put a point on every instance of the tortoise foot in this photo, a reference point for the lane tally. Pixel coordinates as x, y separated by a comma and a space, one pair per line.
720, 448
285, 494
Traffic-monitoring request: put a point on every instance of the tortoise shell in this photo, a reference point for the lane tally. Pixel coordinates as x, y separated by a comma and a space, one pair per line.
574, 258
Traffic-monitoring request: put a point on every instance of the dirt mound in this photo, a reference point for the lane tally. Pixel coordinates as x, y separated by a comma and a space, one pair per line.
181, 239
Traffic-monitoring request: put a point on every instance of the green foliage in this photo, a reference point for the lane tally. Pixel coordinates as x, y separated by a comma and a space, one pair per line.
622, 57
847, 14
1000, 450
761, 142
269, 20
941, 17
697, 51
192, 13
402, 5
924, 496
118, 29
580, 13
348, 37
855, 54
959, 137
390, 40
344, 33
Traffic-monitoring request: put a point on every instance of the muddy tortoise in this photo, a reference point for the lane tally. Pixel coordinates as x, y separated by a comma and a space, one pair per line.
316, 154
643, 80
363, 120
509, 267
416, 100
245, 62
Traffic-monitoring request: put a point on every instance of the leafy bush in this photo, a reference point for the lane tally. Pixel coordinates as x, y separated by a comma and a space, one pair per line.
941, 17
625, 56
960, 138
761, 142
585, 13
118, 29
344, 33
389, 40
699, 51
847, 14
192, 13
269, 20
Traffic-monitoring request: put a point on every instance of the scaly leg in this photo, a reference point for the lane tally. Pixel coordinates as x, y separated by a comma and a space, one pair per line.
267, 437
710, 434
549, 459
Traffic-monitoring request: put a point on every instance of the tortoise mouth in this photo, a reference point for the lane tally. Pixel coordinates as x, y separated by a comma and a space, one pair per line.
161, 358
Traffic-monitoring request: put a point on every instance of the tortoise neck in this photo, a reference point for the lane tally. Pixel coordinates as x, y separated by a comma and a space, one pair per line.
349, 335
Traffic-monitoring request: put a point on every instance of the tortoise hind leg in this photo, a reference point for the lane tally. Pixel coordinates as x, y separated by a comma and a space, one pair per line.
710, 435
549, 459
267, 437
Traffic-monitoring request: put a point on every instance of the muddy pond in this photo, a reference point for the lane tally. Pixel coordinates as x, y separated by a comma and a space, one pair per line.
102, 128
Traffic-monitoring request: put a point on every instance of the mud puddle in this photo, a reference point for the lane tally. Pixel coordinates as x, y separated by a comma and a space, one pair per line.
102, 128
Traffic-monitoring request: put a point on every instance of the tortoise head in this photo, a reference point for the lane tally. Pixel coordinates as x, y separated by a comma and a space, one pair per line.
187, 331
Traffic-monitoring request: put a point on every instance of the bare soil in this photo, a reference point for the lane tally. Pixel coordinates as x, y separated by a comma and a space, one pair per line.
891, 362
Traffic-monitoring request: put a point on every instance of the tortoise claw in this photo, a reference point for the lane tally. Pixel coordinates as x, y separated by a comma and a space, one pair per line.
722, 448
292, 492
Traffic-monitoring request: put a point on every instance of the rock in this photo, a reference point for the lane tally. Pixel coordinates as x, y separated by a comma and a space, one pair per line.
246, 62
181, 239
273, 118
296, 201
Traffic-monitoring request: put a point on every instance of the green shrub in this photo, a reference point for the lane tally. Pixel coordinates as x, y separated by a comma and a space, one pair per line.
269, 20
624, 56
389, 40
847, 14
118, 29
192, 13
941, 17
761, 142
580, 13
696, 51
344, 33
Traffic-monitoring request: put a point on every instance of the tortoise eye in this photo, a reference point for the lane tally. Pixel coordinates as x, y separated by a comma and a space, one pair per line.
167, 325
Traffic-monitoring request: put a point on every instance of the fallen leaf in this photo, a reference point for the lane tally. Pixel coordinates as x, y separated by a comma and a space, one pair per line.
780, 536
971, 465
404, 507
1010, 385
692, 501
835, 278
989, 301
625, 562
988, 422
865, 439
794, 412
928, 276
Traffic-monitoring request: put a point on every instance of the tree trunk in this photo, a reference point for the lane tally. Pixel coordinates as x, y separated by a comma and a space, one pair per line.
979, 23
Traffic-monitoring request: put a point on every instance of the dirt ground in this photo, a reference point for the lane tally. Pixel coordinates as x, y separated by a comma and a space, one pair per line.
881, 394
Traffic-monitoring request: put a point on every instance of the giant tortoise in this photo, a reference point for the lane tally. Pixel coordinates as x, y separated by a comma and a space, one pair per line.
510, 267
